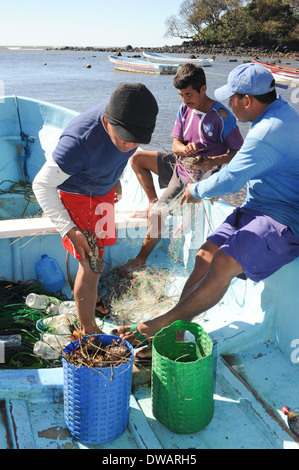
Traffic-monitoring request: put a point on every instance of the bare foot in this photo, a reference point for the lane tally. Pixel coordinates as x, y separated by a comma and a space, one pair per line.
101, 308
91, 331
144, 354
132, 265
137, 337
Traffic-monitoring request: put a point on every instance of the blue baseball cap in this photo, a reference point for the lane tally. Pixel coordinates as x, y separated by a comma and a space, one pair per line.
247, 79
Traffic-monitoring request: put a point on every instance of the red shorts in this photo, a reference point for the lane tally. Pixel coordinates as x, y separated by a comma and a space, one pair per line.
92, 213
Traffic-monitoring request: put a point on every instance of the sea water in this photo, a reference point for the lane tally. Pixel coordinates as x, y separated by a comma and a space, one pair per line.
62, 77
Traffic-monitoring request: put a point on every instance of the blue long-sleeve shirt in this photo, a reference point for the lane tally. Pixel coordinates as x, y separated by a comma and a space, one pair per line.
86, 152
268, 162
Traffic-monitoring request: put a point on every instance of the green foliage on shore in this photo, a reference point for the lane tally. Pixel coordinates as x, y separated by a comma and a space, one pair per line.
236, 22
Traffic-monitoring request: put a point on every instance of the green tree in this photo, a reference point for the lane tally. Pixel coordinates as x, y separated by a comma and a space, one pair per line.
276, 19
181, 26
195, 15
231, 28
255, 22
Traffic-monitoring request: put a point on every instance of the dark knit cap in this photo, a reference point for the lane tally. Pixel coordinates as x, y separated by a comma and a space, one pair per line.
132, 111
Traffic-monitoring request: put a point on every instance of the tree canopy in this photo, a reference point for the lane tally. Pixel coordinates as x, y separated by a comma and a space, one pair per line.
235, 22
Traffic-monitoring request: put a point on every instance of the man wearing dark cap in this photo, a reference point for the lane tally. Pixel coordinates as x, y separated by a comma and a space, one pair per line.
78, 186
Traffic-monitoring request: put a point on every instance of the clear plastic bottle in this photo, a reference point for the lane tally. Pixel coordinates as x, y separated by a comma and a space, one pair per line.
69, 306
11, 340
57, 342
62, 330
45, 350
52, 308
37, 301
59, 320
41, 301
293, 419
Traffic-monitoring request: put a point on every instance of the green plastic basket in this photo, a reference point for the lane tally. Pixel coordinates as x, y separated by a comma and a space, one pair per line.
182, 379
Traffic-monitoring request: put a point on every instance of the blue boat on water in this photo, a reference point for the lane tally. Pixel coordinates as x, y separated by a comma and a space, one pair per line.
254, 329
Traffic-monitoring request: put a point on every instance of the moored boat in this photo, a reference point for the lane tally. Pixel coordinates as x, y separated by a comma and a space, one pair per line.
281, 72
127, 64
277, 67
286, 78
254, 329
154, 58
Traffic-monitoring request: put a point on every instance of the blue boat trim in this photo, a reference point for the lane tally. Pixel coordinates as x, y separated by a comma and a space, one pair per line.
127, 64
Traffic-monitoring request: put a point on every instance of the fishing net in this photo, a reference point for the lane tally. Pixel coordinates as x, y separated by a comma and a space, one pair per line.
138, 296
141, 295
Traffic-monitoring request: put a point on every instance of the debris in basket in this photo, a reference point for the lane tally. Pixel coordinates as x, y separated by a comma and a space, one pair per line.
91, 352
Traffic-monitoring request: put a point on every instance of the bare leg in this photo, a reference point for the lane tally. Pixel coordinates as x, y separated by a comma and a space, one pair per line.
203, 261
85, 294
153, 235
143, 163
201, 296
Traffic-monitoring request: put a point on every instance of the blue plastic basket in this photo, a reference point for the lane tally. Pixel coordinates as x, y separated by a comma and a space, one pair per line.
97, 401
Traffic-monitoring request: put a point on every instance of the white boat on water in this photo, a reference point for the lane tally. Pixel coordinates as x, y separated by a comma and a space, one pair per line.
282, 73
127, 64
254, 328
286, 78
154, 58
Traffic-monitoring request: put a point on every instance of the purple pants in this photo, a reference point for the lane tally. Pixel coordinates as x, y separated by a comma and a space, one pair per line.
260, 244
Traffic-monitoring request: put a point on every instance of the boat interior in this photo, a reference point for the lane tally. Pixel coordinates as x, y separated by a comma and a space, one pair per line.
254, 328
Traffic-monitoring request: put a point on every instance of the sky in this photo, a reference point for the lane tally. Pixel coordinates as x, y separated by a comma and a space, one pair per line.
96, 23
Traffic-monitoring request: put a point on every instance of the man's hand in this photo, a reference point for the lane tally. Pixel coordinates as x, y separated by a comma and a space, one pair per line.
117, 192
79, 240
187, 197
190, 149
207, 163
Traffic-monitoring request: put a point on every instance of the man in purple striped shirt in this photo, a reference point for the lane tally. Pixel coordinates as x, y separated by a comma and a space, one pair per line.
206, 136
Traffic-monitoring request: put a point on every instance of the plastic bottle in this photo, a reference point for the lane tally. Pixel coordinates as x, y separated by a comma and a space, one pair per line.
41, 301
37, 301
52, 309
58, 320
57, 342
44, 350
11, 340
69, 306
63, 330
293, 419
49, 274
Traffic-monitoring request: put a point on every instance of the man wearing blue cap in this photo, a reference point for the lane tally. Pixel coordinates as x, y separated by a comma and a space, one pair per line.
263, 235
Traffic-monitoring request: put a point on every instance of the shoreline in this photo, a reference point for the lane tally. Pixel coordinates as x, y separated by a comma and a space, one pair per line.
278, 52
197, 50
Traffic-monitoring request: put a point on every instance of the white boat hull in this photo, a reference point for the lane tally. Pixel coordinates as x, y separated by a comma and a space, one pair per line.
140, 66
160, 58
286, 78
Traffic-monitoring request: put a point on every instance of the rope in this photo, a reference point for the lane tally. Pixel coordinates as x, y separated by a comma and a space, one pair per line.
27, 139
22, 187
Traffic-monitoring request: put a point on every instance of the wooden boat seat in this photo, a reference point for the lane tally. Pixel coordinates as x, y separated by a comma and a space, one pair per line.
16, 228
